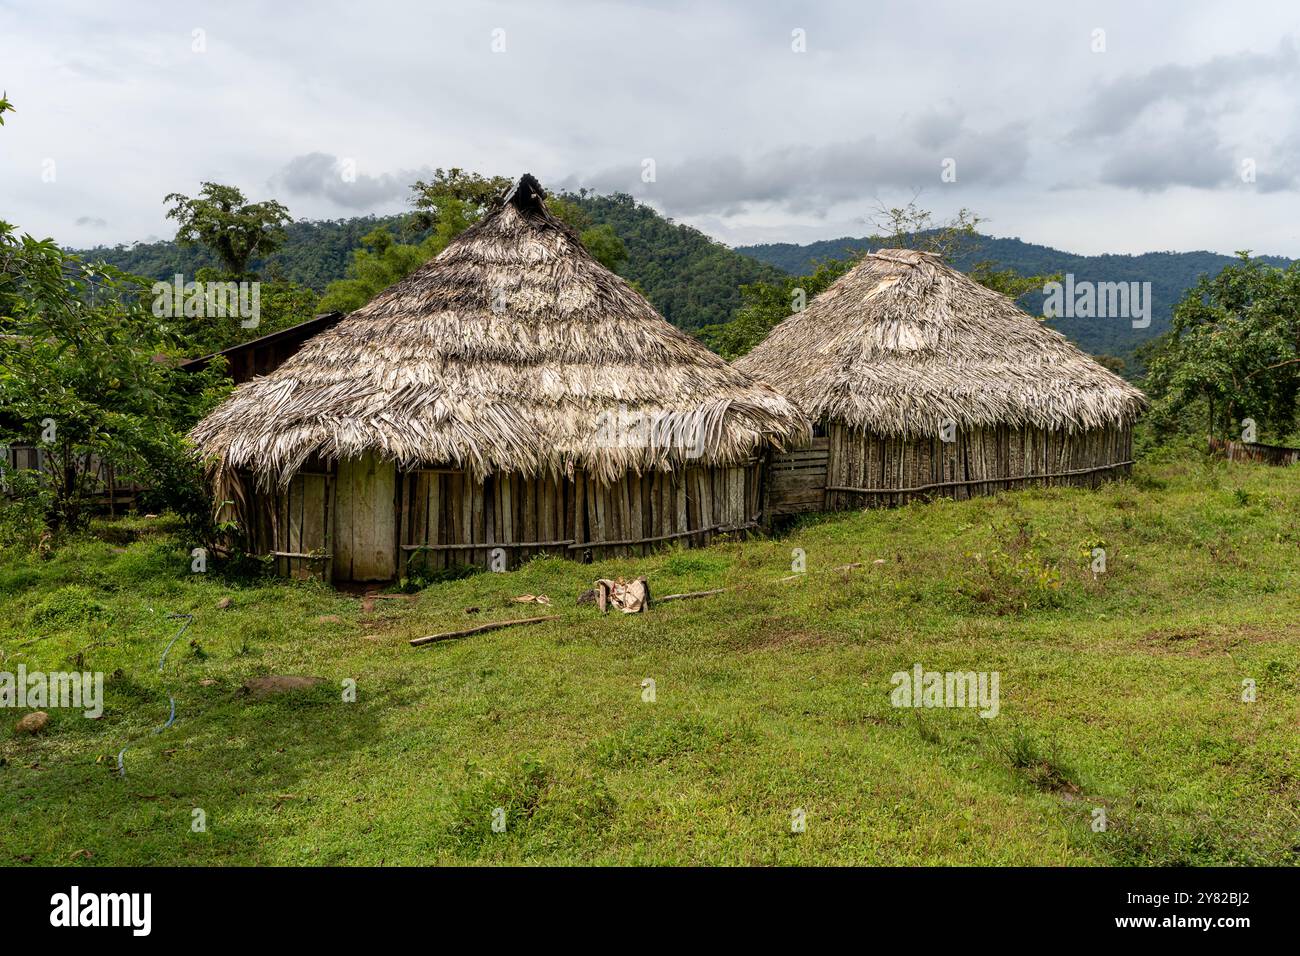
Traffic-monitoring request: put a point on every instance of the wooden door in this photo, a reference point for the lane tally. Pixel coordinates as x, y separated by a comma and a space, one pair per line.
365, 544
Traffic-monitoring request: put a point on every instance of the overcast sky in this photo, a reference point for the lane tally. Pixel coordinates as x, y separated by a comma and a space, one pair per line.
1144, 146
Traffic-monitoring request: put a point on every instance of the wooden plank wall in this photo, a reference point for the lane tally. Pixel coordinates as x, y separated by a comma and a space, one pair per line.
304, 518
365, 524
796, 480
1009, 457
446, 519
336, 514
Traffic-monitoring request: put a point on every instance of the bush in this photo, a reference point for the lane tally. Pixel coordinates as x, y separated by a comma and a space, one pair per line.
1009, 582
22, 511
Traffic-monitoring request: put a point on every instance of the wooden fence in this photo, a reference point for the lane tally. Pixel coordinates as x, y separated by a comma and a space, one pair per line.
869, 470
796, 480
108, 488
1253, 451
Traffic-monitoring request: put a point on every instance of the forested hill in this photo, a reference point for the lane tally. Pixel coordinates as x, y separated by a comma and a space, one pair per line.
1170, 275
694, 281
315, 253
691, 279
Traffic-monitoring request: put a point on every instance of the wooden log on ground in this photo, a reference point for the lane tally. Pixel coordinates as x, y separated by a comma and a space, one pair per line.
687, 595
495, 626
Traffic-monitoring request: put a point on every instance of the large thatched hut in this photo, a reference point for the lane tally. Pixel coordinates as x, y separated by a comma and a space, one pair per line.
921, 381
509, 397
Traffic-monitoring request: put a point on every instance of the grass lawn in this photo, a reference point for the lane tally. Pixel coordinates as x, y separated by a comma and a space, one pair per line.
1120, 691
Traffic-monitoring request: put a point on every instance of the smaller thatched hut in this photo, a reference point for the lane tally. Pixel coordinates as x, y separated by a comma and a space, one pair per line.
511, 396
921, 381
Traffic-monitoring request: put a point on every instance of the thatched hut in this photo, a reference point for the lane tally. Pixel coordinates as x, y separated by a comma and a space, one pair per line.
509, 397
921, 381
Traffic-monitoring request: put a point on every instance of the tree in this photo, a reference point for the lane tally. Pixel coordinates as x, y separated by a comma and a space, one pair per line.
447, 205
236, 232
953, 240
87, 371
380, 262
691, 279
233, 228
1233, 351
1112, 363
1009, 282
911, 227
605, 246
455, 197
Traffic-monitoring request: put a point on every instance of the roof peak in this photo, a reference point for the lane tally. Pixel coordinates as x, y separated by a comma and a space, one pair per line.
526, 193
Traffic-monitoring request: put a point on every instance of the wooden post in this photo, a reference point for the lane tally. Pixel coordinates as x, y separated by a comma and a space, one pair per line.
403, 532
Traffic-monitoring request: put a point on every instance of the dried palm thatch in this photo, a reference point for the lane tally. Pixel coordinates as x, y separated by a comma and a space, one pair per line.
903, 342
501, 354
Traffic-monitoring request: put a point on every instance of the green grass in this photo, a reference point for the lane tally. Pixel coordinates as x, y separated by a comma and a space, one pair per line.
1121, 691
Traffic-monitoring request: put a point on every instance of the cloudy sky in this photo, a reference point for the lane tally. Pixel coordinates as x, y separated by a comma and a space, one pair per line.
1097, 127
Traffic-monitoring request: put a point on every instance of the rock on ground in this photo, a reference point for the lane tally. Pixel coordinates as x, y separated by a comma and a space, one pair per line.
33, 723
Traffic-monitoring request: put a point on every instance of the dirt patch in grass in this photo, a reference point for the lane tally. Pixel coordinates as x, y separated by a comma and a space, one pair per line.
370, 601
386, 624
783, 637
1207, 640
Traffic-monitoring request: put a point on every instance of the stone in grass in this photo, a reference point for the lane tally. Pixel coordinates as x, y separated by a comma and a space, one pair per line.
259, 688
33, 723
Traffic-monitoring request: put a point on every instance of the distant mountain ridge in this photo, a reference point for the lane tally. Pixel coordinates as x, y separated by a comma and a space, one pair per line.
1171, 274
695, 281
691, 279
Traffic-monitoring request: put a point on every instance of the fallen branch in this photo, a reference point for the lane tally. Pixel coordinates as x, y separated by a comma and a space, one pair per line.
687, 595
449, 635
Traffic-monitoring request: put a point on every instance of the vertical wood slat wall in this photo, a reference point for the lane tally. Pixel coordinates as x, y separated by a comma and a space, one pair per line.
303, 523
465, 520
1009, 457
298, 519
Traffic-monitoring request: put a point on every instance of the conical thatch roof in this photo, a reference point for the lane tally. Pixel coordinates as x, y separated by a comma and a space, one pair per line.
501, 354
903, 342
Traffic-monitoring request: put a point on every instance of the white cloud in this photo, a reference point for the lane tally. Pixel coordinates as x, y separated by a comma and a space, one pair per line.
342, 183
1135, 148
